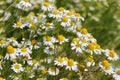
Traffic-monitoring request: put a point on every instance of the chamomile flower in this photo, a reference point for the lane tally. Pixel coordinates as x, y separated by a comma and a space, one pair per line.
78, 17
72, 65
25, 52
111, 54
17, 68
77, 46
61, 39
1, 78
90, 61
3, 43
106, 67
83, 34
33, 63
11, 53
65, 21
60, 62
34, 44
47, 26
55, 14
48, 40
19, 24
53, 71
31, 74
64, 79
46, 6
25, 5
49, 50
13, 41
116, 75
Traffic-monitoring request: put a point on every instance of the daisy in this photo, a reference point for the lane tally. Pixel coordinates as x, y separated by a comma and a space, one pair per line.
71, 65
90, 61
61, 39
60, 62
17, 68
49, 50
19, 24
48, 26
106, 67
116, 75
13, 41
11, 53
31, 74
65, 21
46, 6
55, 14
91, 48
83, 34
77, 17
25, 52
77, 46
48, 40
3, 43
111, 55
25, 5
53, 71
33, 63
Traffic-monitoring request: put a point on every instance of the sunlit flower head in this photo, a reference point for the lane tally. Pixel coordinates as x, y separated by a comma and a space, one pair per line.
53, 71
49, 50
65, 21
61, 39
46, 6
3, 43
11, 53
19, 24
60, 62
116, 74
17, 68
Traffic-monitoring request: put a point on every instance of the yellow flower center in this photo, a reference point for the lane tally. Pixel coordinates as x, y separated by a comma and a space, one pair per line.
19, 23
84, 40
82, 67
90, 37
61, 9
53, 69
118, 72
1, 78
34, 42
50, 49
44, 72
60, 37
17, 66
84, 31
78, 45
105, 63
65, 19
10, 50
98, 47
77, 14
90, 58
112, 53
24, 49
70, 62
33, 27
2, 41
12, 38
75, 40
34, 61
26, 0
65, 79
60, 60
78, 28
48, 38
32, 13
70, 13
46, 4
55, 12
91, 46
47, 24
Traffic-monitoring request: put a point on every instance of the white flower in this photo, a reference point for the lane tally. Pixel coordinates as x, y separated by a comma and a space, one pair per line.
12, 41
49, 50
61, 39
3, 43
46, 6
90, 61
24, 5
48, 40
65, 21
71, 65
47, 26
12, 53
33, 63
19, 24
60, 62
25, 52
17, 68
111, 55
53, 71
116, 74
106, 67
